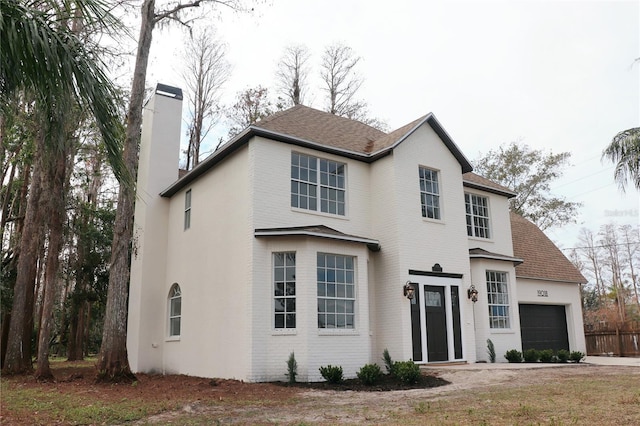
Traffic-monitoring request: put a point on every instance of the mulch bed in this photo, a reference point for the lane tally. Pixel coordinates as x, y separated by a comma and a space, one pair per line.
386, 383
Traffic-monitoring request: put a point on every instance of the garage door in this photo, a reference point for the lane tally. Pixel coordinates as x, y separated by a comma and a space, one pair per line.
543, 327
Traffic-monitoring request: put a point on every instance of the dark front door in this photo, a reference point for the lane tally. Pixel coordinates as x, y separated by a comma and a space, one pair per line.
543, 327
434, 304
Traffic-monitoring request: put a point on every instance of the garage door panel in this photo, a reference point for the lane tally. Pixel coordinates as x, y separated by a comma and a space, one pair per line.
543, 327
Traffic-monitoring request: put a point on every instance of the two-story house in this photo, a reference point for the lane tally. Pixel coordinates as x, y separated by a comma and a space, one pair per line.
319, 235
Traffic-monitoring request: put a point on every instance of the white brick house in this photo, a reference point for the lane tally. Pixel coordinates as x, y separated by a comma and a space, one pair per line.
300, 235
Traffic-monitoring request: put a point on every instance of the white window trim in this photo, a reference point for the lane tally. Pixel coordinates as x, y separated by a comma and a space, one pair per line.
187, 209
170, 336
489, 221
356, 320
498, 330
439, 194
283, 330
318, 186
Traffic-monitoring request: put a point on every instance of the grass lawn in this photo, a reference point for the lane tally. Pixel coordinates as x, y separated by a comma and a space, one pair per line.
572, 395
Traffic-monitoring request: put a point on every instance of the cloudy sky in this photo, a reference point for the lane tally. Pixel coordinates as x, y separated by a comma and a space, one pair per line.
558, 76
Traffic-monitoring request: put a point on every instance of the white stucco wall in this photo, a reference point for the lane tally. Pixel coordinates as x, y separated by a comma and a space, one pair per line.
313, 347
158, 169
211, 262
423, 242
503, 339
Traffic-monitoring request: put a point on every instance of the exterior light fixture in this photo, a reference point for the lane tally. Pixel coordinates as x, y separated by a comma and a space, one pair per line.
472, 293
409, 290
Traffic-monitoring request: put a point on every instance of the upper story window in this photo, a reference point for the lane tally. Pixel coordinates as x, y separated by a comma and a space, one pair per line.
175, 310
284, 290
477, 216
336, 291
317, 184
187, 210
498, 299
429, 193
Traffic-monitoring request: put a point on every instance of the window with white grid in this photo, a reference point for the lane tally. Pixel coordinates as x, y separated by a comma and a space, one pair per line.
477, 215
284, 290
336, 291
429, 193
175, 310
317, 184
187, 209
498, 299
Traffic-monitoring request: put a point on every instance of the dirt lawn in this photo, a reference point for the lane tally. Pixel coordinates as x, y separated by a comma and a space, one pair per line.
191, 400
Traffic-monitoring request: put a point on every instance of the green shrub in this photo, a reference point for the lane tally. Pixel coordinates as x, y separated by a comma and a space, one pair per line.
513, 355
491, 351
369, 374
388, 362
531, 355
546, 355
576, 356
292, 368
563, 355
406, 371
332, 374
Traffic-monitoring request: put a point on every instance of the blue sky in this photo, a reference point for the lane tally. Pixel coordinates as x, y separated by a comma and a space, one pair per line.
558, 76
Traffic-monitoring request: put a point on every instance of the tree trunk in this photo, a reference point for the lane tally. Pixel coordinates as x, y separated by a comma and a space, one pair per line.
56, 194
113, 363
18, 355
6, 320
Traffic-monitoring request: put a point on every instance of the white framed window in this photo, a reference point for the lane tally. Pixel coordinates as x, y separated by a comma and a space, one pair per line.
477, 208
336, 291
187, 209
498, 299
175, 310
429, 193
284, 290
317, 184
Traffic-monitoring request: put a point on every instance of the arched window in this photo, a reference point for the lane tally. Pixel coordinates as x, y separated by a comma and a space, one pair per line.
175, 310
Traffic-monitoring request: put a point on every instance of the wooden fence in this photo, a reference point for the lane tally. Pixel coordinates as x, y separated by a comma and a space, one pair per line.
613, 339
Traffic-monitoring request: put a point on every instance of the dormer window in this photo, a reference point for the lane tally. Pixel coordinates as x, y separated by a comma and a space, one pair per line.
477, 216
317, 184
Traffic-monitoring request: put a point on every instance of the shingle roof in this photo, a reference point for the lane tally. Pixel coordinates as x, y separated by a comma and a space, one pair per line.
308, 127
479, 253
323, 128
321, 231
542, 259
473, 180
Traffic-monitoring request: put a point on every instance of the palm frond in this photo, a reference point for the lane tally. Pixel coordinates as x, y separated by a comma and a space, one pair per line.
39, 55
624, 151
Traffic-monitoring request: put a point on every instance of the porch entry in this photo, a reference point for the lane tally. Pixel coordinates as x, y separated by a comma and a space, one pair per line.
435, 319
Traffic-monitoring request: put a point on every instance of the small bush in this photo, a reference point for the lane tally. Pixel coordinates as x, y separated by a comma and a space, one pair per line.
531, 355
563, 355
576, 356
292, 368
406, 371
369, 374
332, 374
546, 355
388, 362
491, 351
513, 355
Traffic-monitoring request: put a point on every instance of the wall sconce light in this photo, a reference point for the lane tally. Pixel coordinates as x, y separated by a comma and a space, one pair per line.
472, 293
409, 290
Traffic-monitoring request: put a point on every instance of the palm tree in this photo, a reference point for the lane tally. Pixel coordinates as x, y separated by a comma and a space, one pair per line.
624, 150
41, 56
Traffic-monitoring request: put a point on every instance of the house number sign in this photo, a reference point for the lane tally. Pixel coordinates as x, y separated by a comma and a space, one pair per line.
543, 293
